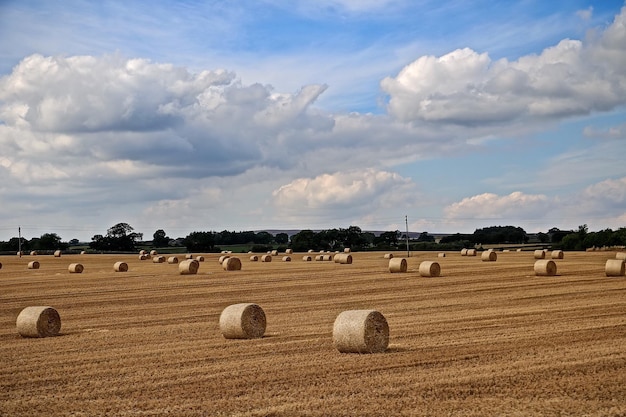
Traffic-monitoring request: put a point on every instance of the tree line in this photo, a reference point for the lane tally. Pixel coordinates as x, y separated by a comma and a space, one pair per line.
122, 237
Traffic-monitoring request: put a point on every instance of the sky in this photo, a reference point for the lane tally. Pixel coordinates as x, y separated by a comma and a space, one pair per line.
311, 114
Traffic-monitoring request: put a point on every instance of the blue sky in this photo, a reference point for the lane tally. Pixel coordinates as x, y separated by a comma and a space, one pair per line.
245, 115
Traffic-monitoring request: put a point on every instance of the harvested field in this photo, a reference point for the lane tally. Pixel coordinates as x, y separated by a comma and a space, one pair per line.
484, 338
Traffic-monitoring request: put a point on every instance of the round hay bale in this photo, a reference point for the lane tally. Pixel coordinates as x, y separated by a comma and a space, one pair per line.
307, 258
120, 266
0, 265
266, 258
464, 252
158, 259
346, 250
200, 258
557, 254
172, 260
153, 252
518, 250
489, 256
33, 265
33, 253
397, 265
274, 252
441, 255
144, 256
319, 257
620, 255
188, 267
232, 264
223, 258
429, 269
614, 268
388, 256
343, 258
189, 256
471, 252
327, 258
289, 251
286, 258
75, 268
545, 267
243, 321
38, 321
311, 251
143, 252
254, 258
539, 254
57, 253
82, 252
20, 253
360, 331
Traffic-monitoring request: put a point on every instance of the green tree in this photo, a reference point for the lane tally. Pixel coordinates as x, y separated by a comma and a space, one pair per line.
50, 241
281, 238
119, 237
200, 242
160, 239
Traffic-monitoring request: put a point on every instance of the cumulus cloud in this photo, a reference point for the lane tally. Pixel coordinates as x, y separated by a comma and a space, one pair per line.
613, 132
516, 205
467, 87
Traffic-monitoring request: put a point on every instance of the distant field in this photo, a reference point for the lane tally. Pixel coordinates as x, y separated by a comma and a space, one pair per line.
484, 339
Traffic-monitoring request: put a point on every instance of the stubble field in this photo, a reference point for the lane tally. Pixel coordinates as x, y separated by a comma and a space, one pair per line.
484, 338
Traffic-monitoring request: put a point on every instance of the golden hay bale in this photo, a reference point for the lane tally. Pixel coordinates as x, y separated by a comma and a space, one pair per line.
620, 255
327, 257
614, 268
489, 256
519, 250
0, 265
397, 265
539, 254
188, 267
557, 254
75, 268
243, 321
254, 258
471, 252
232, 264
360, 331
153, 252
441, 255
120, 266
38, 321
82, 252
33, 265
464, 252
33, 253
545, 267
143, 252
266, 258
388, 256
286, 258
223, 258
20, 253
346, 250
200, 258
343, 258
189, 256
289, 251
143, 257
274, 252
172, 260
158, 259
307, 258
429, 269
311, 251
319, 257
57, 253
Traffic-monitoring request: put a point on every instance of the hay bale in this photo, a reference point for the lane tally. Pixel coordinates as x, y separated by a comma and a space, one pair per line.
266, 258
518, 250
57, 253
33, 265
0, 265
158, 259
38, 321
172, 260
82, 252
307, 258
311, 251
33, 253
614, 268
153, 252
144, 256
429, 269
489, 256
557, 254
75, 268
189, 256
120, 266
388, 256
539, 254
286, 258
343, 258
200, 258
289, 251
232, 264
397, 265
360, 331
222, 258
274, 252
20, 253
327, 258
464, 252
346, 250
441, 255
254, 258
471, 252
545, 267
243, 321
143, 252
620, 255
188, 267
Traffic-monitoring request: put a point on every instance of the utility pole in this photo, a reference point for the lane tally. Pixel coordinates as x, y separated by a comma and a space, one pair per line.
19, 240
406, 222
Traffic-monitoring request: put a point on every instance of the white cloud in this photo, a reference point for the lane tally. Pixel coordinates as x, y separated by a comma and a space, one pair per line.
613, 132
516, 205
585, 14
466, 87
